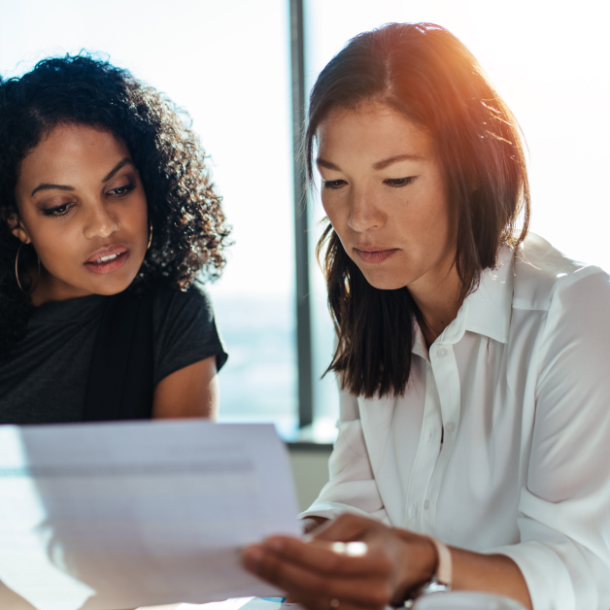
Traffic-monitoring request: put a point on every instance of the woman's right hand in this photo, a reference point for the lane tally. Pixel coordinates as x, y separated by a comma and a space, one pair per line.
353, 563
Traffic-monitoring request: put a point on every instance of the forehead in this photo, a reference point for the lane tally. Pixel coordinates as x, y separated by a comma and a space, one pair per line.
371, 132
72, 150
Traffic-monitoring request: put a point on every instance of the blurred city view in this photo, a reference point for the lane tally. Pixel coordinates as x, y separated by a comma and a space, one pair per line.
228, 64
259, 381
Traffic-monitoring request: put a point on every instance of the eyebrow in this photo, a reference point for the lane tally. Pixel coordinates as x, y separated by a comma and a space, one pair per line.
64, 187
122, 163
387, 162
46, 186
379, 165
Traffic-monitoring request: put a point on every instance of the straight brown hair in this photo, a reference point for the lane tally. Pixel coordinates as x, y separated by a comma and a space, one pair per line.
426, 73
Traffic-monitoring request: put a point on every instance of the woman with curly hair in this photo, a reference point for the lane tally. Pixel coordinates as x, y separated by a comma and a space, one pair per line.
107, 218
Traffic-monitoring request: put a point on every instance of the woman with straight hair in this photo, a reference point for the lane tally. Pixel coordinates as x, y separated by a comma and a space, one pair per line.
472, 356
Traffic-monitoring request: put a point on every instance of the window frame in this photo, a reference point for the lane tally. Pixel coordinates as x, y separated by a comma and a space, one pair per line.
301, 219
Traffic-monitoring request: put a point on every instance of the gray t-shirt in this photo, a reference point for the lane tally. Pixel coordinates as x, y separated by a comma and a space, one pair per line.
45, 378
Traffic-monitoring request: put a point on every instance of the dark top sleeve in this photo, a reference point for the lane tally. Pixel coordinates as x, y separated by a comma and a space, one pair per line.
184, 331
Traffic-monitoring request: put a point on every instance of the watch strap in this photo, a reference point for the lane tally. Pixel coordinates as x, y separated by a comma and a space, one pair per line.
444, 566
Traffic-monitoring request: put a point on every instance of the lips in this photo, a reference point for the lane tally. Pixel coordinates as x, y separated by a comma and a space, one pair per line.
106, 260
374, 255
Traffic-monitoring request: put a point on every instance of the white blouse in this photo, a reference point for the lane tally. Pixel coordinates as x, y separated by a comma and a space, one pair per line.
519, 383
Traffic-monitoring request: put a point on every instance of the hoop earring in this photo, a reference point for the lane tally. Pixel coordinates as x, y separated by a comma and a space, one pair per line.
17, 272
150, 234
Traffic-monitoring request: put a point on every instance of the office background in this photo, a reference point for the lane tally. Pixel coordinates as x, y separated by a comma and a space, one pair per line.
242, 69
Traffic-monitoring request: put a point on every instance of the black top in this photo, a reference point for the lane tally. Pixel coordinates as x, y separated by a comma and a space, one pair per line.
45, 378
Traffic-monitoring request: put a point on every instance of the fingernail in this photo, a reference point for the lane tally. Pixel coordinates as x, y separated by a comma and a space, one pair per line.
253, 558
275, 544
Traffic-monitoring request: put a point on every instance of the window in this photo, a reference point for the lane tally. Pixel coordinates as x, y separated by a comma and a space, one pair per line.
229, 64
551, 65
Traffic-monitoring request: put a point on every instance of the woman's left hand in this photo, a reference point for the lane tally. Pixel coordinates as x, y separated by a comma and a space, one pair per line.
374, 566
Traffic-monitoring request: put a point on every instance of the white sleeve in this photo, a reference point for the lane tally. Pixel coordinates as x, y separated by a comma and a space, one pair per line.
564, 511
352, 486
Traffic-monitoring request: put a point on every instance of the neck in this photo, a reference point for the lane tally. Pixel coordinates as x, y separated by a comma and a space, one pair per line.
438, 302
49, 289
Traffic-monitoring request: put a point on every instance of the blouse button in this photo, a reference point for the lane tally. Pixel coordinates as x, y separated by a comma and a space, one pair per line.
427, 504
450, 427
442, 352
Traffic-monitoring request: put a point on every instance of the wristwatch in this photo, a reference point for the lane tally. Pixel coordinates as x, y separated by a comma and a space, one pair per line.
441, 579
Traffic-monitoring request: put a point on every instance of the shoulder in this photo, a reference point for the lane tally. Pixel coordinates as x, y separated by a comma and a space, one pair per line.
172, 302
542, 275
183, 316
184, 330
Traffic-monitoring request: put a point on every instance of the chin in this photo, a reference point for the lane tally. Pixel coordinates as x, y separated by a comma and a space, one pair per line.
110, 291
108, 288
383, 281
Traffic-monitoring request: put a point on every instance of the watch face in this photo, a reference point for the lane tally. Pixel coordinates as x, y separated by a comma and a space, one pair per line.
465, 600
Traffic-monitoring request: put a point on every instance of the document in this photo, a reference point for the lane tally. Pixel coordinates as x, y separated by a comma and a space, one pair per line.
110, 516
245, 603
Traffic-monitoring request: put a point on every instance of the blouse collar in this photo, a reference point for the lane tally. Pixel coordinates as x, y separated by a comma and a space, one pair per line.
490, 306
486, 311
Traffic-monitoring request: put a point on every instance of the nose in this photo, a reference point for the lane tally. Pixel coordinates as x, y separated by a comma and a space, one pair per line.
101, 222
365, 213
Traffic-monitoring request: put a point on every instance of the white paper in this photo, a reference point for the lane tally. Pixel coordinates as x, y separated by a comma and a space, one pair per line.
112, 516
264, 603
227, 604
245, 603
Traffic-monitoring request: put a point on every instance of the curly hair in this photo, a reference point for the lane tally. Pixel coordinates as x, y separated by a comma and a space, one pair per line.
189, 227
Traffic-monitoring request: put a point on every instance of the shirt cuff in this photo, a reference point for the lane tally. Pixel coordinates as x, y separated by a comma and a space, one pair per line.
331, 510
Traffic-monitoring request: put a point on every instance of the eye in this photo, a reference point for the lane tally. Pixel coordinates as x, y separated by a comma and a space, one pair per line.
122, 190
399, 182
59, 210
334, 184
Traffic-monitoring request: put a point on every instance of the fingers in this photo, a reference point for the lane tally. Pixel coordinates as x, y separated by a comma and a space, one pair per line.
351, 559
312, 523
337, 558
315, 589
346, 527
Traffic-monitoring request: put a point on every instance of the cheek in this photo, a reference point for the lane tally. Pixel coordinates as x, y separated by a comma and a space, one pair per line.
135, 219
335, 212
57, 247
444, 220
50, 234
433, 218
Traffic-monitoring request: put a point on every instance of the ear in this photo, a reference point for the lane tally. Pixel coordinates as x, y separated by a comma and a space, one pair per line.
16, 226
